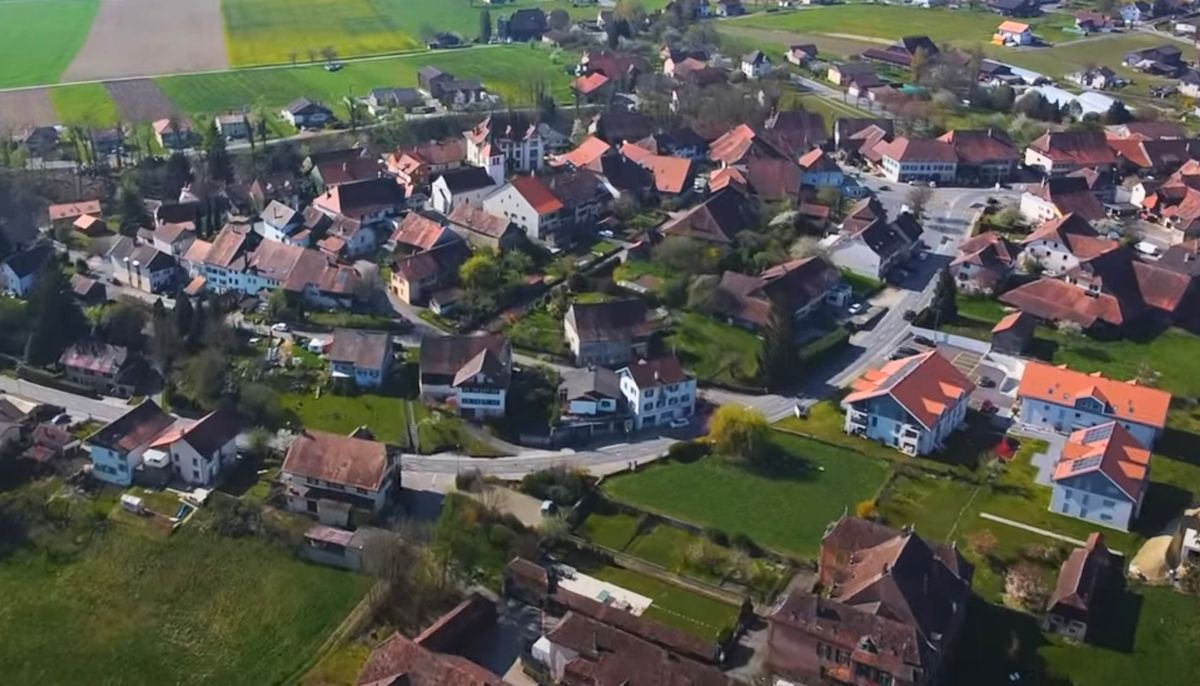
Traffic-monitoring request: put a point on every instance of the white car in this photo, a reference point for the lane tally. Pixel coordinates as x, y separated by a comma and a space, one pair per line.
856, 308
279, 326
679, 422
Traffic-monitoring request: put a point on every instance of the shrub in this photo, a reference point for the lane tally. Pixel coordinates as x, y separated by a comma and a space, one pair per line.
688, 451
470, 481
715, 535
745, 544
1024, 587
559, 484
865, 509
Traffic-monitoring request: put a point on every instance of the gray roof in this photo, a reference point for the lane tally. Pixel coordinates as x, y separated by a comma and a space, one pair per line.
363, 349
597, 382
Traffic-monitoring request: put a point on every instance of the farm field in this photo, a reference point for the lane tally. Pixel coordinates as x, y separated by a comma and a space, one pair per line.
39, 38
813, 484
774, 41
270, 31
85, 104
510, 71
886, 23
1064, 59
192, 609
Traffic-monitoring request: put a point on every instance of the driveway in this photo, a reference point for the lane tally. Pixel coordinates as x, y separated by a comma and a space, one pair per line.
1044, 461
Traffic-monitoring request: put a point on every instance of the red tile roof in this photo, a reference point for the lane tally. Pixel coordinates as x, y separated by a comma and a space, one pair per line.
71, 210
399, 660
1127, 401
980, 147
1054, 300
925, 385
591, 83
584, 155
733, 146
1083, 148
418, 231
917, 150
1109, 449
537, 194
661, 371
343, 460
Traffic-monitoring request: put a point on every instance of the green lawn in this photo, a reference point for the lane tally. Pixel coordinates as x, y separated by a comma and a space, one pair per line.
1151, 640
539, 331
786, 508
385, 416
674, 606
715, 351
440, 432
1063, 59
738, 37
509, 71
891, 22
192, 609
1174, 354
39, 38
609, 530
87, 104
269, 31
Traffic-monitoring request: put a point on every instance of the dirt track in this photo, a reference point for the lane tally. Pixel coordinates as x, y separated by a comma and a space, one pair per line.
140, 100
26, 107
142, 37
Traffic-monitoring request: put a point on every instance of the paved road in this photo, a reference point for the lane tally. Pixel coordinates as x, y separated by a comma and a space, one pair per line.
79, 407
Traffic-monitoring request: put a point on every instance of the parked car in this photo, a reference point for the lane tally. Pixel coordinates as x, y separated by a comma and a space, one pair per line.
923, 340
907, 351
857, 308
679, 422
279, 326
986, 382
910, 315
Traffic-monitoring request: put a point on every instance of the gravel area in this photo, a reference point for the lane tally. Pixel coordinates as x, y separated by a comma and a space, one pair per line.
140, 100
25, 107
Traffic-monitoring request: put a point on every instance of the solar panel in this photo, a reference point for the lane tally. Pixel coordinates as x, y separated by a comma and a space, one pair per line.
1085, 463
1098, 433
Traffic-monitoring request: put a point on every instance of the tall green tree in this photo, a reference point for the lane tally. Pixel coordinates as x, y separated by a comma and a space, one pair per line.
220, 164
123, 322
178, 174
945, 297
485, 26
778, 361
55, 317
131, 208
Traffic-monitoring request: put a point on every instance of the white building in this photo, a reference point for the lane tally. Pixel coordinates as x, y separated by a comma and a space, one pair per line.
20, 270
516, 145
1101, 476
657, 391
338, 479
907, 159
756, 65
148, 439
911, 404
361, 356
471, 373
1059, 245
463, 186
1063, 401
201, 451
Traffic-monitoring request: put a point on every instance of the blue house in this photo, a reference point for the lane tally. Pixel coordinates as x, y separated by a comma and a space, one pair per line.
1101, 476
123, 446
1137, 12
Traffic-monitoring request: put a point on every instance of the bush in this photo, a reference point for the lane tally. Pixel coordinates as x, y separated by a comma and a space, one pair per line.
745, 544
235, 519
865, 509
470, 481
561, 485
715, 535
688, 451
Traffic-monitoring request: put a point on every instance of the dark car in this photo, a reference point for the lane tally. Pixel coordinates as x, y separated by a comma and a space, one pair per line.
907, 351
986, 382
910, 315
923, 340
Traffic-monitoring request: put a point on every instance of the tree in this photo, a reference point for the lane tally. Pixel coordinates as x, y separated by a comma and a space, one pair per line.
178, 173
945, 297
740, 432
260, 405
183, 315
631, 11
778, 362
122, 323
166, 338
920, 64
559, 20
917, 199
201, 378
481, 272
130, 206
220, 164
1117, 114
1023, 585
485, 26
56, 319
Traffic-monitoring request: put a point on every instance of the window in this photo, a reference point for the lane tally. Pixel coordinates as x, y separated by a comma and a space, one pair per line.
1105, 517
310, 505
1109, 503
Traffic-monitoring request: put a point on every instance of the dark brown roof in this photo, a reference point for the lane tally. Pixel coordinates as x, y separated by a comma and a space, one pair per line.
607, 656
1071, 195
342, 460
980, 147
664, 636
479, 221
446, 355
1083, 148
399, 661
660, 371
773, 178
213, 431
135, 428
364, 349
440, 262
793, 284
612, 320
715, 220
95, 356
917, 150
1081, 576
360, 198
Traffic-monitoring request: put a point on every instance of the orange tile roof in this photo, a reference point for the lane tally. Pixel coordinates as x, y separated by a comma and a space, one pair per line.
591, 83
733, 146
670, 173
635, 152
925, 385
1127, 400
537, 195
1013, 27
1007, 322
720, 178
1109, 449
584, 154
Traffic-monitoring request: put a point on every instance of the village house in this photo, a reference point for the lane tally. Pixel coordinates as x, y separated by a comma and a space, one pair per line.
306, 114
888, 608
451, 92
88, 291
818, 170
607, 333
715, 220
371, 203
1086, 582
143, 267
983, 156
800, 287
657, 391
363, 357
413, 168
1013, 33
984, 263
233, 126
875, 247
902, 52
282, 224
118, 448
912, 404
1063, 400
381, 101
1059, 244
418, 277
841, 73
1015, 8
496, 145
65, 214
1013, 333
1096, 78
801, 54
905, 160
38, 141
1137, 12
594, 392
1058, 197
471, 373
1088, 22
1164, 60
483, 229
756, 65
420, 231
1059, 153
21, 268
202, 450
1101, 476
402, 660
173, 134
340, 480
102, 367
173, 239
464, 186
552, 209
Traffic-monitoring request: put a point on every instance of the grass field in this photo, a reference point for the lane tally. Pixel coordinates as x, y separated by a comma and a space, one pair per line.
39, 38
1063, 59
194, 609
889, 22
385, 416
87, 104
715, 351
674, 606
509, 71
812, 486
269, 31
